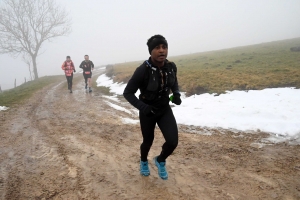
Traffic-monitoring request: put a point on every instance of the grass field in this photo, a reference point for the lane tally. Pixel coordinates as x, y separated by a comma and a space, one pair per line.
15, 96
255, 67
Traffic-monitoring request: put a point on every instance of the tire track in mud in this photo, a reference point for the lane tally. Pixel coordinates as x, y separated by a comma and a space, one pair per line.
37, 150
45, 111
13, 160
19, 141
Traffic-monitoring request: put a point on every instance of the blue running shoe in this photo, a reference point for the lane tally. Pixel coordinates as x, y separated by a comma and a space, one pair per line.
144, 169
162, 171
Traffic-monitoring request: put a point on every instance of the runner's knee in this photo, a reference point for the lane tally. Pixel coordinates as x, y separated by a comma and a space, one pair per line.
171, 145
146, 145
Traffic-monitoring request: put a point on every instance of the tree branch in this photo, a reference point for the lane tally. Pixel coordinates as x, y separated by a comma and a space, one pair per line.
26, 24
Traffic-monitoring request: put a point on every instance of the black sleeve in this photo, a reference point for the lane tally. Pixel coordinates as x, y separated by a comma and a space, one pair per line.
92, 65
80, 66
175, 88
133, 85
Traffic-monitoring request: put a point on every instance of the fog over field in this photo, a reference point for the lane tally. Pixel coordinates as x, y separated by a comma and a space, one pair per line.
117, 31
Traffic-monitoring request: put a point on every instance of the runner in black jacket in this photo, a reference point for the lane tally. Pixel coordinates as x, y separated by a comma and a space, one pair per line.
87, 67
155, 78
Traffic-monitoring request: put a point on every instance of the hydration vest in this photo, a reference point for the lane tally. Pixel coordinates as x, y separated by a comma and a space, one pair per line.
155, 89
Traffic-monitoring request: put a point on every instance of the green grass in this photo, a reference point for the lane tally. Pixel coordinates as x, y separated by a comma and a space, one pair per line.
266, 65
15, 96
100, 89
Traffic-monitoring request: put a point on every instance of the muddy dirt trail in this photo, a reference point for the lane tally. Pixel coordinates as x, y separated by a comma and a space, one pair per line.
75, 146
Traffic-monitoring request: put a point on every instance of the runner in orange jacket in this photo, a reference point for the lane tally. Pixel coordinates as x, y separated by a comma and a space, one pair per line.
68, 67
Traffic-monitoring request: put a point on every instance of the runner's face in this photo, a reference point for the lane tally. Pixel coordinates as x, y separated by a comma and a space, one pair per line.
159, 53
86, 58
68, 59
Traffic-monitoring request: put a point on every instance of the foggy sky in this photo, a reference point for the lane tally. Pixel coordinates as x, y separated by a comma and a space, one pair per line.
112, 31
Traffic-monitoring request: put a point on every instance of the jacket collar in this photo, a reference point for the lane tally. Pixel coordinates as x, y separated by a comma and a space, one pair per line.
152, 64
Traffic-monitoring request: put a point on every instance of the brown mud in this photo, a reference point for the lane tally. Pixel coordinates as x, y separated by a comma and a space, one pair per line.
75, 146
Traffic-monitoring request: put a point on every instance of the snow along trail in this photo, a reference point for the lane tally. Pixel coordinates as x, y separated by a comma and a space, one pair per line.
76, 146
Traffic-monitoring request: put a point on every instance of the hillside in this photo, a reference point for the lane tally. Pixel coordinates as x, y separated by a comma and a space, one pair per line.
266, 65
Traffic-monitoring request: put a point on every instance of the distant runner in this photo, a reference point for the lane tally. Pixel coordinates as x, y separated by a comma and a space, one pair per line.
68, 67
155, 78
87, 67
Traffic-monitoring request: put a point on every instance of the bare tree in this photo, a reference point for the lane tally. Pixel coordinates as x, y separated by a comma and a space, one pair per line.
27, 59
26, 24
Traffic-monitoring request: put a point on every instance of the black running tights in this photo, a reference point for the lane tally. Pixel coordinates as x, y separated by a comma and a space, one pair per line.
69, 80
168, 126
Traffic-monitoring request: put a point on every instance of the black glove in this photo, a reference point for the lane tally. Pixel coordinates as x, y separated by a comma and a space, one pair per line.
176, 99
150, 111
74, 70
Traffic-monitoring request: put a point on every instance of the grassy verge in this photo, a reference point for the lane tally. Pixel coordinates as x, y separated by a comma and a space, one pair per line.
101, 89
15, 96
255, 67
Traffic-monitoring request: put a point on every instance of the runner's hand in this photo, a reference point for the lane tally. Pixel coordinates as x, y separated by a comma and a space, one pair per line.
176, 99
150, 111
